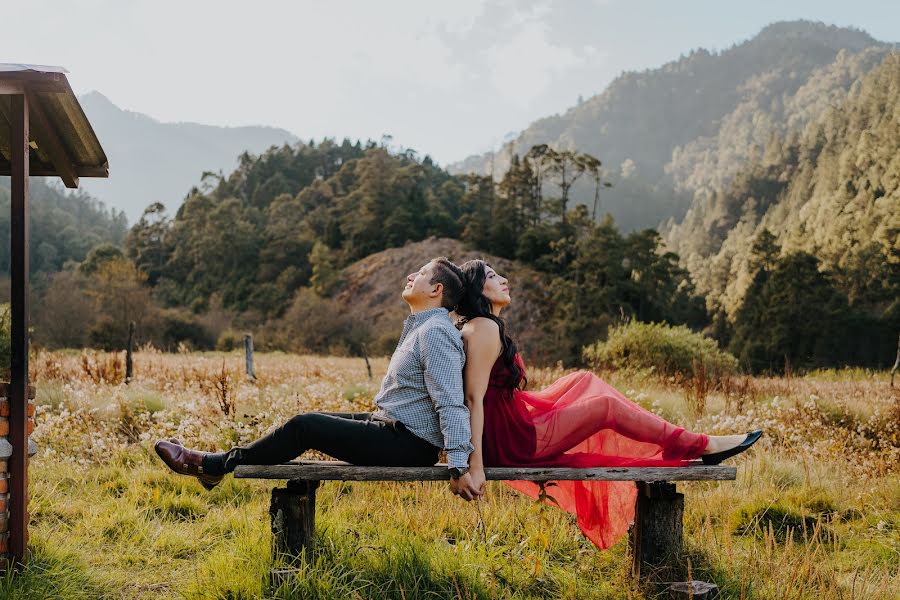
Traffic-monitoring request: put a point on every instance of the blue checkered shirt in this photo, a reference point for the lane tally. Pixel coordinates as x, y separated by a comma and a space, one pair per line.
423, 388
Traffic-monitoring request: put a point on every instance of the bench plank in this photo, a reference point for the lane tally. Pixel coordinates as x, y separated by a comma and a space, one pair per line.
322, 470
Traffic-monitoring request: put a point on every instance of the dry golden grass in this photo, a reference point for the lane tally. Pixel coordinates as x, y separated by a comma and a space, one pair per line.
815, 512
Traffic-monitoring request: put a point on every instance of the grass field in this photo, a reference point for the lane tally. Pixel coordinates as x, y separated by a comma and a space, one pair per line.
814, 513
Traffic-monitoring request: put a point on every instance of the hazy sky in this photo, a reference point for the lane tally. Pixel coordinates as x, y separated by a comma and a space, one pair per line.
446, 78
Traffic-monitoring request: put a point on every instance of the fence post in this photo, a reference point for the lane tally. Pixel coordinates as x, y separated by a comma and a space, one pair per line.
129, 363
366, 356
248, 356
896, 362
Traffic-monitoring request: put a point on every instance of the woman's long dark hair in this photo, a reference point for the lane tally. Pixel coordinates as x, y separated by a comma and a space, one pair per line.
475, 304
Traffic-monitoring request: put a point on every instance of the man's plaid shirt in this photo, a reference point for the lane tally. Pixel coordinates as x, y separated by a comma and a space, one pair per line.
423, 388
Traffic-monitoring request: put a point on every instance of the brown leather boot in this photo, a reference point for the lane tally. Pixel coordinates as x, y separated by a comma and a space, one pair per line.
185, 461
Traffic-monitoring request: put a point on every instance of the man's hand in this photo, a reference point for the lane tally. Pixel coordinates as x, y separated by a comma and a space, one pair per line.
465, 488
478, 479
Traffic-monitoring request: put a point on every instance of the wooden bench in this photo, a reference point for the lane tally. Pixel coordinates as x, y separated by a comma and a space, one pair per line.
656, 534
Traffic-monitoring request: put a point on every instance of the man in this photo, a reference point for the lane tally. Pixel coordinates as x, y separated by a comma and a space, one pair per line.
420, 407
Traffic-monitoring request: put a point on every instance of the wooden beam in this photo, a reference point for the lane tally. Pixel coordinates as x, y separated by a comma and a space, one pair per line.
18, 381
50, 171
11, 87
102, 171
48, 141
334, 470
16, 86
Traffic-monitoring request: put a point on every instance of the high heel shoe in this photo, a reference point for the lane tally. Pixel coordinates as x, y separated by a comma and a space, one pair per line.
717, 457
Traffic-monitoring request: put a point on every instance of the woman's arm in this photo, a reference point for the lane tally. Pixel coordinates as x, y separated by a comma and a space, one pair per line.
481, 338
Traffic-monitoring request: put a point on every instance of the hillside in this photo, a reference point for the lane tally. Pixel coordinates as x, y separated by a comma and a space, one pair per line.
152, 161
64, 225
374, 284
269, 243
832, 189
664, 134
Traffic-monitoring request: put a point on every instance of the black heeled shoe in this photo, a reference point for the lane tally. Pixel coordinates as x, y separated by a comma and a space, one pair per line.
717, 457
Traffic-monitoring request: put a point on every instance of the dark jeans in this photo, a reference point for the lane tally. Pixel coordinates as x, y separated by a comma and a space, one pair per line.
358, 438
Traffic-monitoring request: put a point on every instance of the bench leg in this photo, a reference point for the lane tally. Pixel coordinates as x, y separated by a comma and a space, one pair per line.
293, 513
657, 533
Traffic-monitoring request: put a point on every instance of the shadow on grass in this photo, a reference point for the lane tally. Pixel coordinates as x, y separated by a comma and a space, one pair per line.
400, 569
49, 574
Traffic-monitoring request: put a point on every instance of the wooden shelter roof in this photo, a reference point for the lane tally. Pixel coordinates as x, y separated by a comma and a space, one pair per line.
62, 142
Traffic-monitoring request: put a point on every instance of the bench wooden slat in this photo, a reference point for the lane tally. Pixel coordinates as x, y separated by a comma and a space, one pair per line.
323, 470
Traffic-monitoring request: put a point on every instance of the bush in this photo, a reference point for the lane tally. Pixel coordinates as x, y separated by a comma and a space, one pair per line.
230, 340
666, 350
180, 327
320, 326
106, 334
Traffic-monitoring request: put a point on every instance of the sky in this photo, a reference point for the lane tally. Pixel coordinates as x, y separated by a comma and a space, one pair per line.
447, 79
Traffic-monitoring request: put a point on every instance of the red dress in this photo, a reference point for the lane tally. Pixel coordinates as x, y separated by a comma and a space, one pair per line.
580, 421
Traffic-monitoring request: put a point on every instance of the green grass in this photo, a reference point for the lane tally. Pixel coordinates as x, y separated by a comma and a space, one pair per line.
131, 530
814, 513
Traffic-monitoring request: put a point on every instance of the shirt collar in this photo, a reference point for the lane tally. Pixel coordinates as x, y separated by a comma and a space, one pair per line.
421, 317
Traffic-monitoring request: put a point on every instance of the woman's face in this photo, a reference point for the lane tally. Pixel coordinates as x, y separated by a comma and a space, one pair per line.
495, 288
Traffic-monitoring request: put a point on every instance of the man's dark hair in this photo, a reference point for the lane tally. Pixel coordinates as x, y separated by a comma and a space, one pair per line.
451, 277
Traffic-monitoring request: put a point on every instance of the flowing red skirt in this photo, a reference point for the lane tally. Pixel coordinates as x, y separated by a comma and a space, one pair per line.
581, 421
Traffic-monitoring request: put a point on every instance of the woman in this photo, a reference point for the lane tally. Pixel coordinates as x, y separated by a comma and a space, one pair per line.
579, 421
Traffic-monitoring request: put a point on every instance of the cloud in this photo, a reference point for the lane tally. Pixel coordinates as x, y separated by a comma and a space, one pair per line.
456, 18
523, 66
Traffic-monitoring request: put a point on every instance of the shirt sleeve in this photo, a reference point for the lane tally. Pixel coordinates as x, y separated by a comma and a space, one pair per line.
442, 361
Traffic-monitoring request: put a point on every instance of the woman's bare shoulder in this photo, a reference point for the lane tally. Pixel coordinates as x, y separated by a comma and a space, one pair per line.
480, 328
481, 335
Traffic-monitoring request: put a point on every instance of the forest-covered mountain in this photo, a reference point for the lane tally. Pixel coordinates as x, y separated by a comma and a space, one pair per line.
830, 189
275, 236
686, 127
788, 252
152, 161
64, 226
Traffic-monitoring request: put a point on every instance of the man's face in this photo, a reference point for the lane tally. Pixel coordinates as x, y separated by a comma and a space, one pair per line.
418, 285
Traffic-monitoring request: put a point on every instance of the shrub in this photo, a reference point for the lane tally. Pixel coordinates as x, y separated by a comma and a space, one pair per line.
666, 350
230, 340
320, 325
106, 334
180, 327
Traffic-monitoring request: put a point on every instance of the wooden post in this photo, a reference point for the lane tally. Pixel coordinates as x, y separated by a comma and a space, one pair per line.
248, 356
896, 362
293, 513
129, 363
18, 381
369, 366
657, 533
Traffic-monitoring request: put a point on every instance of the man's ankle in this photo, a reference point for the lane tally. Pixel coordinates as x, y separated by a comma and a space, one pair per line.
214, 463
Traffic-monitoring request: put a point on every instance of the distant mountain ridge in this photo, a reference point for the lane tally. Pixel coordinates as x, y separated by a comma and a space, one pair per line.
151, 161
664, 133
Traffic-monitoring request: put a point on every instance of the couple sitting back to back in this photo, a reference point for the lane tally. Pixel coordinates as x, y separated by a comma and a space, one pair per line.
459, 391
